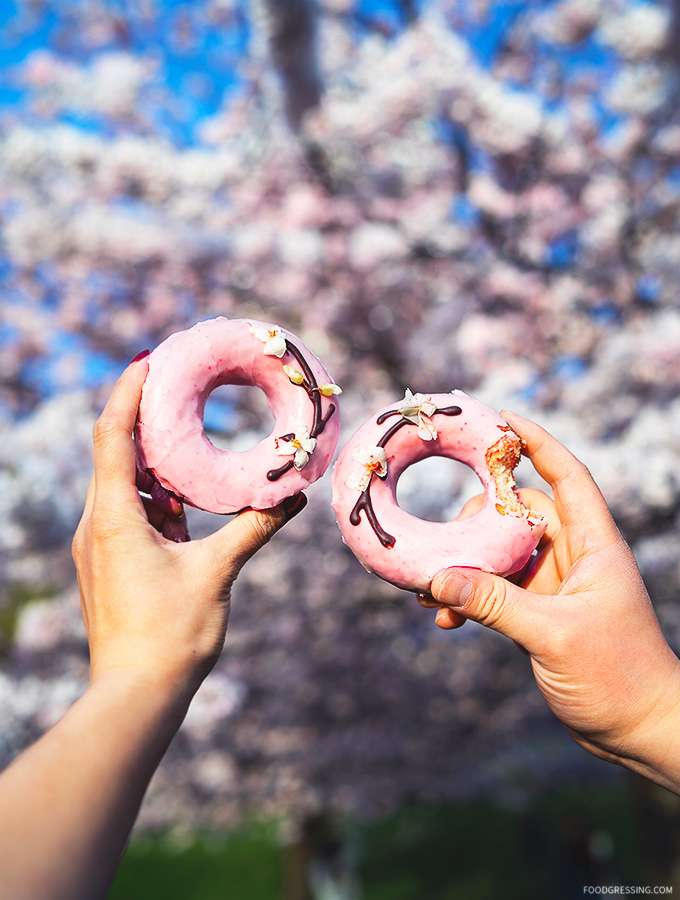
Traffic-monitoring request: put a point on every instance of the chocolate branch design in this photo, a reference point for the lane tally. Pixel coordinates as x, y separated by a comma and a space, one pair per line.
364, 502
318, 423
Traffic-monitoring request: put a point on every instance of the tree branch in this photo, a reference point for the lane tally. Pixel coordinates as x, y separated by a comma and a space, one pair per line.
291, 35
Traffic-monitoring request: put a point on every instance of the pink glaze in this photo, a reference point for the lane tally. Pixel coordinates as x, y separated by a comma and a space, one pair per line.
172, 443
489, 540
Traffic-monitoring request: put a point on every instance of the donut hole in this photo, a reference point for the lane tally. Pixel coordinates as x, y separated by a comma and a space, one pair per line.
437, 488
237, 417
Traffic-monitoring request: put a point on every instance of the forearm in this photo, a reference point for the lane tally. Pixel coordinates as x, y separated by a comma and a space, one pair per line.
67, 805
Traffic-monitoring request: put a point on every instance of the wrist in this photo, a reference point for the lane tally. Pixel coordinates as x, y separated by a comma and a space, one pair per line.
150, 695
162, 672
653, 747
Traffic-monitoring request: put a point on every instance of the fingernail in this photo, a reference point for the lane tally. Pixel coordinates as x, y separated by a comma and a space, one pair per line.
166, 501
442, 615
456, 590
293, 505
140, 356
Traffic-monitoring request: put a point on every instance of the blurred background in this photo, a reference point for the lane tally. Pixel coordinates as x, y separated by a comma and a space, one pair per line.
432, 194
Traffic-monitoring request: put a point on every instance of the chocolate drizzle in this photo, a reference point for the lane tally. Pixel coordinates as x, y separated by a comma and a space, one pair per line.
319, 422
275, 474
364, 502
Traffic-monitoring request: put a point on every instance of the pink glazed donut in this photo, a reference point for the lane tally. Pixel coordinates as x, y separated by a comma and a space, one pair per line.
408, 551
173, 447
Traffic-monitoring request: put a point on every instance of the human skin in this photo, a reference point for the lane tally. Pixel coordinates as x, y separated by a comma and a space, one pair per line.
581, 612
155, 607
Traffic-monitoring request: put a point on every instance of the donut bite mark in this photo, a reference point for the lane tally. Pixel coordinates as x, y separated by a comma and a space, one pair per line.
502, 458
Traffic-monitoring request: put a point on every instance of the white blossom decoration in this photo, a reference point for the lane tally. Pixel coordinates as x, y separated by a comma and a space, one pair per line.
299, 446
273, 339
372, 461
418, 408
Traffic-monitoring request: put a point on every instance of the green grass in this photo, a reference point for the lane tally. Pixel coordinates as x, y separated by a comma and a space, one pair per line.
473, 850
241, 866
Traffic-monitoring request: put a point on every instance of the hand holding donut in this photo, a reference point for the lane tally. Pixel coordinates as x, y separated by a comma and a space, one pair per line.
583, 615
154, 606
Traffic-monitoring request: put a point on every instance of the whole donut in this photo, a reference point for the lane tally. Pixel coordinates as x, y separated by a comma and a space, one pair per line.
408, 551
171, 441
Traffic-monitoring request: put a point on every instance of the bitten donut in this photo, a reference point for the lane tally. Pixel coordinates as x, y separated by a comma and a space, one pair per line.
408, 551
172, 444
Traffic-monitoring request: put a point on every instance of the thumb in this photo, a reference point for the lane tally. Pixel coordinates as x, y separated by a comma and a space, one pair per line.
491, 601
238, 540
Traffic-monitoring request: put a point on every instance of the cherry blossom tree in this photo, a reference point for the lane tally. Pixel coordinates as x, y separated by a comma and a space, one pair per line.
434, 195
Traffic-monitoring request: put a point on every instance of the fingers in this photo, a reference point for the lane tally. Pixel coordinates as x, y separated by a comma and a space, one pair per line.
238, 540
541, 575
163, 503
532, 499
245, 535
114, 452
166, 501
448, 619
472, 507
143, 480
544, 506
491, 601
578, 499
427, 600
174, 528
539, 502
